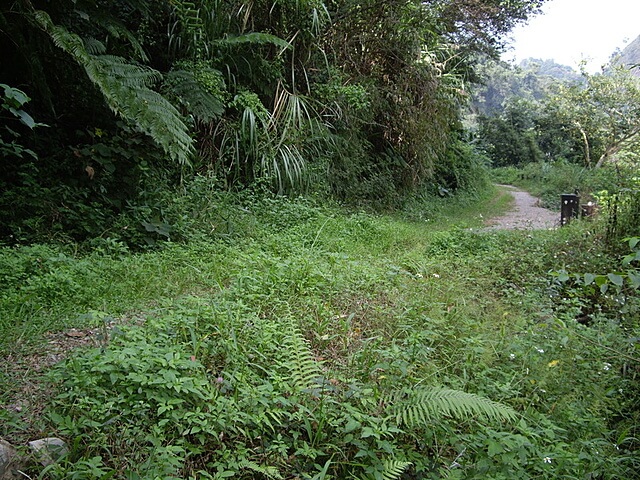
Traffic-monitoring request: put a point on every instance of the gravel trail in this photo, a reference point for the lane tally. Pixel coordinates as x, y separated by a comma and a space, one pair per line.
526, 215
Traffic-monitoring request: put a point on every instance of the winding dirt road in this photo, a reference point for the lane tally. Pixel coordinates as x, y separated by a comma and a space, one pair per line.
526, 215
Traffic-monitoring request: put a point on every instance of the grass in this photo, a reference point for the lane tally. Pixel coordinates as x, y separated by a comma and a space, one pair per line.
284, 344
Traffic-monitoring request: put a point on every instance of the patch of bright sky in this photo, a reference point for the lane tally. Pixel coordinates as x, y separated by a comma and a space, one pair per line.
569, 31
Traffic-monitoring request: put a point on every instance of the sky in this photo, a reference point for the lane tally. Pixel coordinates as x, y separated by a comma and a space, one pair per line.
569, 31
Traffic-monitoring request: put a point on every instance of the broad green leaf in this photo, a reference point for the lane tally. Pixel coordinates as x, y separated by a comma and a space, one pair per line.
601, 280
589, 278
367, 432
494, 448
15, 97
634, 278
616, 279
24, 117
352, 424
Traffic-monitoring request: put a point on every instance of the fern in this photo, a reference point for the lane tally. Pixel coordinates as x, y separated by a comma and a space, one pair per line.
199, 31
392, 470
422, 407
113, 26
198, 101
268, 471
190, 25
125, 87
299, 361
94, 46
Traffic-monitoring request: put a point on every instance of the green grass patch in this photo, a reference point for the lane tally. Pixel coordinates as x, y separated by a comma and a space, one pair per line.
322, 343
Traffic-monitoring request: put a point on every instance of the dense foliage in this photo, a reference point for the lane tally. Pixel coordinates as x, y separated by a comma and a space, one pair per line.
360, 100
267, 334
301, 340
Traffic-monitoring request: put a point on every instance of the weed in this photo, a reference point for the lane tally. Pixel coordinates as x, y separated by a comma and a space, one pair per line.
326, 343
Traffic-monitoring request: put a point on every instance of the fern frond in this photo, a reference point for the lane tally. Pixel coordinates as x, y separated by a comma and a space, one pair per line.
114, 27
128, 74
187, 32
188, 14
125, 89
303, 368
199, 102
426, 405
392, 470
94, 46
268, 471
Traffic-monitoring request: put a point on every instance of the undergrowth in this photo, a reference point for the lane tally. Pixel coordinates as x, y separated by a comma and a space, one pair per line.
307, 341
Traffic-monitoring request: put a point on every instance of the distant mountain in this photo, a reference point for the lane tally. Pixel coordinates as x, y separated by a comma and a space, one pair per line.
630, 56
550, 68
530, 81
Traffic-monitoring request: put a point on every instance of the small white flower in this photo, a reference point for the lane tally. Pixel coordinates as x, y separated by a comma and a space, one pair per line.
606, 366
419, 275
539, 350
547, 460
512, 356
436, 275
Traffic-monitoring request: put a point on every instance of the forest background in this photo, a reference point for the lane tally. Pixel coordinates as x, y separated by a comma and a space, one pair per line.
196, 184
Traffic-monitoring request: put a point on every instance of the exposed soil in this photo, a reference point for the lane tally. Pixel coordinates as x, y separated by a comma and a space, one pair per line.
526, 214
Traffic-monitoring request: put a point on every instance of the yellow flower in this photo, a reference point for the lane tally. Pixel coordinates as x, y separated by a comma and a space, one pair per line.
553, 363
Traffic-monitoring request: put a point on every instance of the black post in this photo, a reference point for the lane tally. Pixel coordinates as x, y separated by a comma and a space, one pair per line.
569, 208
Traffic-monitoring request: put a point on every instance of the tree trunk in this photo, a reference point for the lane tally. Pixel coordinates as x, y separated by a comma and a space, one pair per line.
587, 149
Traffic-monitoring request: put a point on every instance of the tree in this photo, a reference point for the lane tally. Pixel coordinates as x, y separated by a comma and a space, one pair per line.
369, 93
604, 113
510, 137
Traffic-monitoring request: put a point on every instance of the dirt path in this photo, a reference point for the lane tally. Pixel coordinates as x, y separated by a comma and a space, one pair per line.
526, 215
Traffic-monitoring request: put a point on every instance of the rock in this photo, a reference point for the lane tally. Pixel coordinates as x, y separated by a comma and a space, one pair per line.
10, 461
48, 450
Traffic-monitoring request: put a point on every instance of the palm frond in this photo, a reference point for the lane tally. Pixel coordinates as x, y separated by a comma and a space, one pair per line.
286, 165
423, 406
125, 87
291, 110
